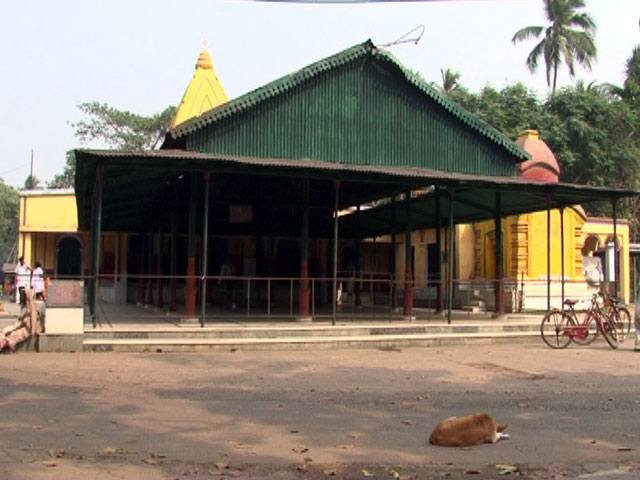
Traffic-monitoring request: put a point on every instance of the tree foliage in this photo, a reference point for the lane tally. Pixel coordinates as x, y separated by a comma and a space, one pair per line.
9, 211
122, 129
569, 38
450, 81
119, 129
65, 179
595, 136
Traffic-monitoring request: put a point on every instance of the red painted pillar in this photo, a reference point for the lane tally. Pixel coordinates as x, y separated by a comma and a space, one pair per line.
303, 295
190, 287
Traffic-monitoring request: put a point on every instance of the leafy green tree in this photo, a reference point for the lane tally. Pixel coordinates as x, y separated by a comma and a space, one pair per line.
65, 179
119, 129
569, 37
510, 110
122, 129
9, 212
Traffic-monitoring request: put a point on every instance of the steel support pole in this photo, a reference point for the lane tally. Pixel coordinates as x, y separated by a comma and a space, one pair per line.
408, 273
439, 277
450, 259
190, 284
616, 266
141, 280
160, 299
548, 253
205, 246
336, 198
499, 296
150, 263
562, 252
357, 284
95, 246
173, 268
394, 245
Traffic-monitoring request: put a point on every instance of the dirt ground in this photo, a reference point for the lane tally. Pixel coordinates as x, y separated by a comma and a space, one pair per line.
319, 414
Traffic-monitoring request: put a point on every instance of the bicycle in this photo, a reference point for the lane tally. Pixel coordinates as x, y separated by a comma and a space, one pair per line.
614, 306
559, 327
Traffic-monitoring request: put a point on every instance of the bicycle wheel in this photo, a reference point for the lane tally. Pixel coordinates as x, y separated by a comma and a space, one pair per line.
623, 321
589, 332
552, 329
609, 329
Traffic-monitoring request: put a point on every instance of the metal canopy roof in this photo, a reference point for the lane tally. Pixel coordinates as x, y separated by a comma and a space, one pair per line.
139, 190
359, 106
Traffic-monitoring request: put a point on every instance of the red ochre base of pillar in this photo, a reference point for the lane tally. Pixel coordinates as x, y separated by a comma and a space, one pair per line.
303, 294
190, 288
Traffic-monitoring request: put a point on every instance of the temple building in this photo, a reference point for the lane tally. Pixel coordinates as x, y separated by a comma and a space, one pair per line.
348, 175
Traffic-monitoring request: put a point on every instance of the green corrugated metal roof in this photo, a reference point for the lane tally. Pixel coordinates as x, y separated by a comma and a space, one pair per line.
308, 73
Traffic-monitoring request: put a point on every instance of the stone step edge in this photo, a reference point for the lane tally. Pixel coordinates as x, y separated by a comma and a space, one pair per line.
297, 340
315, 328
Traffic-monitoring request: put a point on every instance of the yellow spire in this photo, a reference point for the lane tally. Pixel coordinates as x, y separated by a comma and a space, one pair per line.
203, 93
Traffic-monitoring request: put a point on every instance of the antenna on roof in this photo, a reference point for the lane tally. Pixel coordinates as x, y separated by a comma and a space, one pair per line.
407, 37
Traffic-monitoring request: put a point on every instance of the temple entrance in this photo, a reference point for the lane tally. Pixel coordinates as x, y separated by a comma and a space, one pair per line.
69, 255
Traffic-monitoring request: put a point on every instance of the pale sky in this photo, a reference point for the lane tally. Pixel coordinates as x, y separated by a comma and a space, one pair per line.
139, 55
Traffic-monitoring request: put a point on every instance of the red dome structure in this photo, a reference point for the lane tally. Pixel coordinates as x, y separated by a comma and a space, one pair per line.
543, 165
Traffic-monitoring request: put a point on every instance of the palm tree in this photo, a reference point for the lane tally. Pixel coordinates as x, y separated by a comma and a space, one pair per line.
450, 81
569, 37
633, 65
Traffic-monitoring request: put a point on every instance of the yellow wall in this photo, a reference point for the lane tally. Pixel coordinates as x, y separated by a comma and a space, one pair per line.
525, 246
48, 212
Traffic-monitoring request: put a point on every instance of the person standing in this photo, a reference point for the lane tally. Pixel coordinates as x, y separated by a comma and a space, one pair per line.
37, 281
23, 274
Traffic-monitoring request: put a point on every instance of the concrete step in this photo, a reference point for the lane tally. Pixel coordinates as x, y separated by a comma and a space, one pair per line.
316, 337
301, 343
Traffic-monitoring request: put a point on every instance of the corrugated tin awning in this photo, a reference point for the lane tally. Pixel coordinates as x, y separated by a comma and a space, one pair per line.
139, 186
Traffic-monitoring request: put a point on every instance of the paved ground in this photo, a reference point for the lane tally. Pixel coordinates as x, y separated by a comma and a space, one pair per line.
318, 414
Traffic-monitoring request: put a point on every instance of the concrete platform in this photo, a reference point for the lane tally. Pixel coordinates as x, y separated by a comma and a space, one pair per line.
127, 328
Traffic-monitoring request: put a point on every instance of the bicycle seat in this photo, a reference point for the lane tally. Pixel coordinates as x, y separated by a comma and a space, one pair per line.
569, 302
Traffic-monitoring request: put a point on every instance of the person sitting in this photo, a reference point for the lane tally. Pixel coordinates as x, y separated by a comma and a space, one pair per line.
30, 322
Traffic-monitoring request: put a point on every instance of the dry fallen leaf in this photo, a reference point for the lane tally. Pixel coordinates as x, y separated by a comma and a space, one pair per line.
49, 463
222, 464
109, 451
407, 422
367, 473
344, 447
330, 473
300, 449
506, 469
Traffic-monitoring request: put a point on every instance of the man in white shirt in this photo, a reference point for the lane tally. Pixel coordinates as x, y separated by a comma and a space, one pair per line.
23, 275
